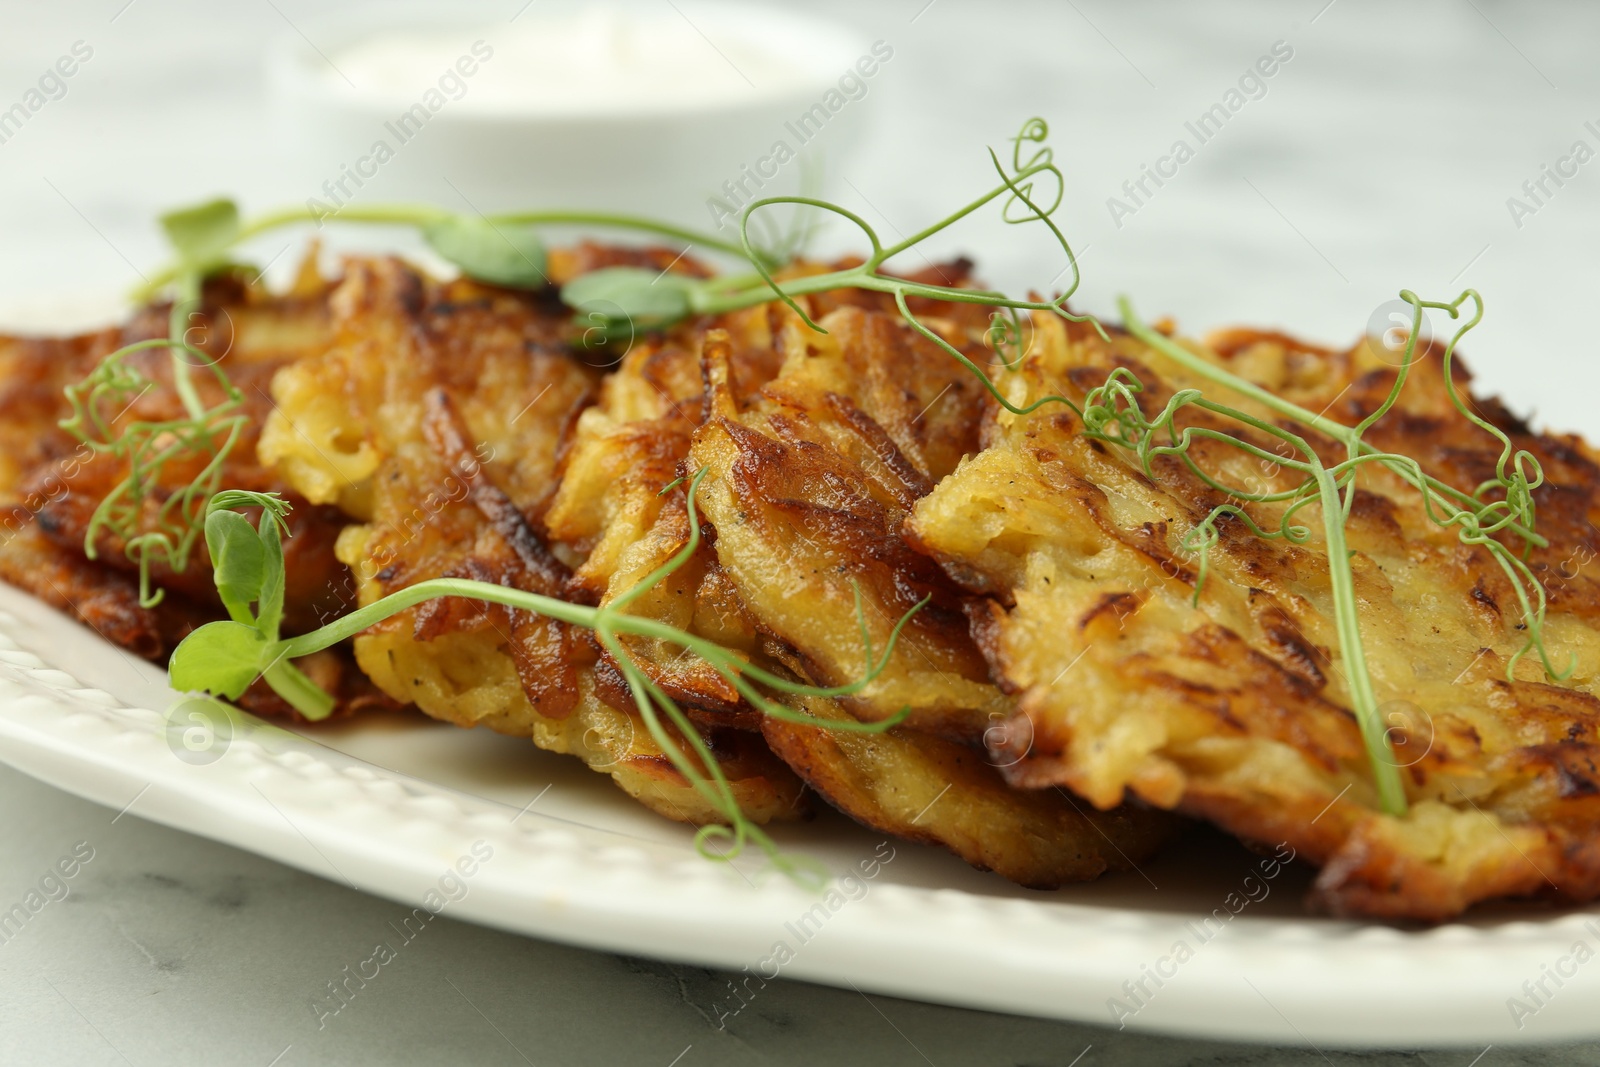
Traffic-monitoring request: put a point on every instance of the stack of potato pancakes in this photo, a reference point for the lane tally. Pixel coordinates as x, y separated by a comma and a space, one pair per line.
1069, 696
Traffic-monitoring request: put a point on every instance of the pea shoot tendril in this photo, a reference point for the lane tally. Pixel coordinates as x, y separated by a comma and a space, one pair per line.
156, 523
153, 529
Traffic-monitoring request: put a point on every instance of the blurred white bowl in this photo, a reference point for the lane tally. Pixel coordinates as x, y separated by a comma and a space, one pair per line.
644, 108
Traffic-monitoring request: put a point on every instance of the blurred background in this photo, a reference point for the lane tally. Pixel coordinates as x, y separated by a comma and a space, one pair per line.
1432, 146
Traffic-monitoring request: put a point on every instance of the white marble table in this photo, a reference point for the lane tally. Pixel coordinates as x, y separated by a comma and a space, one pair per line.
1381, 156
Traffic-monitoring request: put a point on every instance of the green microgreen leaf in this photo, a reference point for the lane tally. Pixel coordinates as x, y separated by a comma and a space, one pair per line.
269, 602
642, 299
500, 254
238, 562
247, 562
203, 233
221, 657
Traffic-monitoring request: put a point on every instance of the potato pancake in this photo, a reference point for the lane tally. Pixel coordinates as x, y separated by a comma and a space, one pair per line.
50, 482
1236, 709
808, 483
1068, 693
439, 417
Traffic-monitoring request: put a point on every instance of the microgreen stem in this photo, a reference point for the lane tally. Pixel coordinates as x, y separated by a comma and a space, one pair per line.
1358, 679
185, 304
631, 222
1338, 431
421, 215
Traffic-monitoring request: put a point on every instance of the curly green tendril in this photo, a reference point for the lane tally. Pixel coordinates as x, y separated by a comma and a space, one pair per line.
156, 524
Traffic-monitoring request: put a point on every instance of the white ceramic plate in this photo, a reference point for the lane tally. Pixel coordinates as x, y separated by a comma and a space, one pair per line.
392, 805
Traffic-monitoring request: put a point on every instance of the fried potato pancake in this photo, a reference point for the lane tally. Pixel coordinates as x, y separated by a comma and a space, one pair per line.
439, 417
615, 510
51, 483
807, 489
1236, 710
808, 483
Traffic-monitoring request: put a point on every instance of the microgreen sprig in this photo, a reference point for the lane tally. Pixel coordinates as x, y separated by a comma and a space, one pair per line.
164, 532
224, 657
1480, 517
502, 248
627, 299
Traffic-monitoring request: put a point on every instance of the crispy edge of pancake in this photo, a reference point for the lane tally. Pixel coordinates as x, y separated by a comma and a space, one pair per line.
934, 791
104, 599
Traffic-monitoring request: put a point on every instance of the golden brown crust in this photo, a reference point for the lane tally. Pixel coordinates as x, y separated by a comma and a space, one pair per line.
101, 597
808, 488
925, 788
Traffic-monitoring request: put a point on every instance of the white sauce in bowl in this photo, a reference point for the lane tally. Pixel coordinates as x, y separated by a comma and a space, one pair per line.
600, 59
